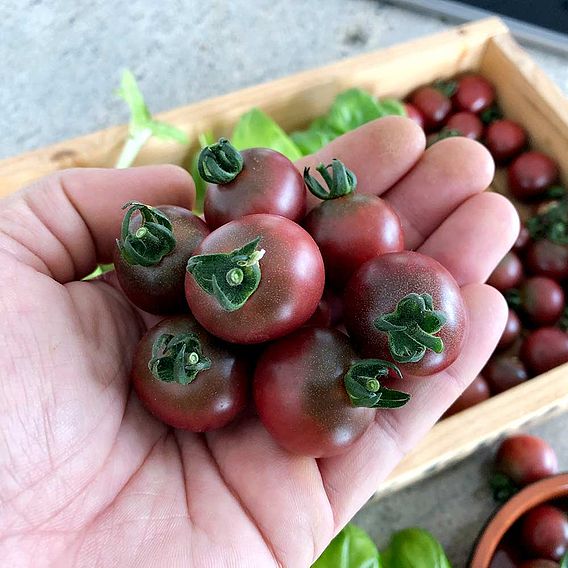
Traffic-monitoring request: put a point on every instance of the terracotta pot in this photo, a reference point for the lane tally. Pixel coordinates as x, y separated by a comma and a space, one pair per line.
528, 498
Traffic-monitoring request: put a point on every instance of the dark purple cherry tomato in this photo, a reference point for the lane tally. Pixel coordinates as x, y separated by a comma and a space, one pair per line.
542, 300
531, 174
414, 114
511, 332
539, 563
505, 557
473, 94
505, 139
546, 258
476, 392
507, 274
525, 459
433, 105
152, 252
545, 349
301, 391
522, 240
258, 180
255, 279
329, 312
406, 307
349, 228
544, 532
467, 124
187, 378
503, 372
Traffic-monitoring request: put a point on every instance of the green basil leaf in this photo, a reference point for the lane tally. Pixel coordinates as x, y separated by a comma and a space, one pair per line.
310, 141
564, 561
351, 109
351, 548
130, 92
391, 107
256, 129
168, 132
414, 548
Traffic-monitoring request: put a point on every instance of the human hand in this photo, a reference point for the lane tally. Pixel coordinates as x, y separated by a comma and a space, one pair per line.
88, 477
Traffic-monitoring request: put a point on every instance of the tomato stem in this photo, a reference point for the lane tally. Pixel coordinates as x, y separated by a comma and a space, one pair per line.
220, 163
231, 278
340, 182
411, 328
364, 389
178, 358
447, 88
151, 242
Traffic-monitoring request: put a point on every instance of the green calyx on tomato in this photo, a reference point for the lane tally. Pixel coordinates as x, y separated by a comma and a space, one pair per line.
220, 163
447, 88
443, 134
231, 278
491, 114
364, 389
502, 487
411, 328
551, 224
340, 182
178, 358
151, 241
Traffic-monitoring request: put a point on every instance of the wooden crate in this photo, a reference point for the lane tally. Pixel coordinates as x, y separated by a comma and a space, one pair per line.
526, 96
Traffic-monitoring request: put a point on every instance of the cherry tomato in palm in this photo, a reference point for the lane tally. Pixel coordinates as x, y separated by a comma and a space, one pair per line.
433, 105
301, 392
467, 124
546, 258
258, 180
544, 532
476, 392
525, 459
255, 279
349, 228
545, 349
511, 332
531, 174
541, 299
414, 114
505, 139
473, 94
508, 273
187, 378
503, 372
152, 252
406, 307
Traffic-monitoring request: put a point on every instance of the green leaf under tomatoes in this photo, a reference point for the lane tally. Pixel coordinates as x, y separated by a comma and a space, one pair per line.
351, 109
414, 548
256, 129
351, 548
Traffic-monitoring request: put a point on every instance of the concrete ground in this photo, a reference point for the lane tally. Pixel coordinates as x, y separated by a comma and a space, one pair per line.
61, 62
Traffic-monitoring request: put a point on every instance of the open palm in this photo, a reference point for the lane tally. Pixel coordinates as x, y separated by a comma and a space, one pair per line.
89, 478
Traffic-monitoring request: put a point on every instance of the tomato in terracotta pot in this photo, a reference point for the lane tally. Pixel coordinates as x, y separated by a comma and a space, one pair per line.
187, 378
152, 252
505, 139
314, 396
544, 532
257, 180
473, 93
407, 308
255, 279
349, 228
545, 349
531, 174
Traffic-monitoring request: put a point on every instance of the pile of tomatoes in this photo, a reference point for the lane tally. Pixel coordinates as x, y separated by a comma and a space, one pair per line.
539, 539
532, 276
258, 298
